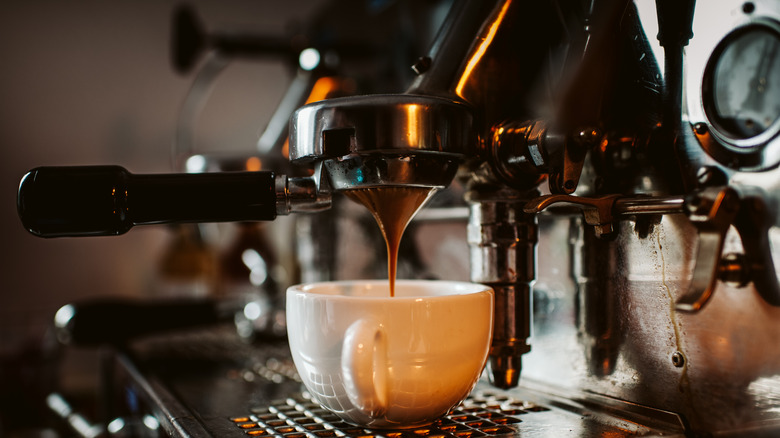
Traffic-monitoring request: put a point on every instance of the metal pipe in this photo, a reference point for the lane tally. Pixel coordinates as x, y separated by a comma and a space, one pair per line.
440, 70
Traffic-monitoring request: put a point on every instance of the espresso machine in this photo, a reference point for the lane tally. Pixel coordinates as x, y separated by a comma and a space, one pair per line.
618, 166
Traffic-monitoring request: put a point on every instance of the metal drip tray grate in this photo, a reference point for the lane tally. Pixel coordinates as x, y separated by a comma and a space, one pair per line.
483, 414
236, 389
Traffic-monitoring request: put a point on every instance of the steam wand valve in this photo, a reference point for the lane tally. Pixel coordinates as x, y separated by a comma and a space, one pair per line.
109, 200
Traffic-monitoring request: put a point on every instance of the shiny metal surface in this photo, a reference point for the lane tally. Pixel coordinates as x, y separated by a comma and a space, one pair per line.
384, 139
502, 253
626, 143
418, 169
381, 123
300, 194
442, 69
605, 323
609, 272
753, 68
709, 367
485, 413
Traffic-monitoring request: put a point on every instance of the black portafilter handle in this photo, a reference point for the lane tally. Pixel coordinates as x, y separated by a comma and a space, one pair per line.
109, 200
116, 321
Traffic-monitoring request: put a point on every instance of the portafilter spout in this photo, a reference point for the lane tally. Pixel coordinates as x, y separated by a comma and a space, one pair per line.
384, 140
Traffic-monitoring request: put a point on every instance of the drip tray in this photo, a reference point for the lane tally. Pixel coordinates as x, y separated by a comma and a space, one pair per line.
209, 384
482, 414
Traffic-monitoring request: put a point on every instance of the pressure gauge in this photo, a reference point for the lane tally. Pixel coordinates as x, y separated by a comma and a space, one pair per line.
742, 83
733, 84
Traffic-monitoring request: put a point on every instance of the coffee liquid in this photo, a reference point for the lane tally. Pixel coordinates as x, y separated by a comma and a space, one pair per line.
392, 207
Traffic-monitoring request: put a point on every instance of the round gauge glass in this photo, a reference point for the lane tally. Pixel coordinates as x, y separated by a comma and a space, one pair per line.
744, 83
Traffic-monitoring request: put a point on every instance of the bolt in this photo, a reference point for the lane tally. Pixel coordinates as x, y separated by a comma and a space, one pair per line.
710, 176
704, 175
700, 128
678, 359
422, 65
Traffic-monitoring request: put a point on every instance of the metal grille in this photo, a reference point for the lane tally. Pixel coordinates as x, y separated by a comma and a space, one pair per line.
483, 414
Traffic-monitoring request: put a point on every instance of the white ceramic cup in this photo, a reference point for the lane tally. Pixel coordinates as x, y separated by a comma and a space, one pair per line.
389, 362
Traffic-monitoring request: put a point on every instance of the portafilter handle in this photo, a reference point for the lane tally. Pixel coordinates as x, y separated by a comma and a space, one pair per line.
109, 200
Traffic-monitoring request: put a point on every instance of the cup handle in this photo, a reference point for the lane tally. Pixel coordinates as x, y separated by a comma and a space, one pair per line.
364, 366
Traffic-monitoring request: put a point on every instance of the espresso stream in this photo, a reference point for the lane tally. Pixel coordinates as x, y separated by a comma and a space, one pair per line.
392, 207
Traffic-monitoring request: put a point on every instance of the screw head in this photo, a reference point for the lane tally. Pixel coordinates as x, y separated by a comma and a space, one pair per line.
678, 360
711, 176
422, 65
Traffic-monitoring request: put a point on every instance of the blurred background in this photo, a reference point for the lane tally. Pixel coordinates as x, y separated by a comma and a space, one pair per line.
91, 82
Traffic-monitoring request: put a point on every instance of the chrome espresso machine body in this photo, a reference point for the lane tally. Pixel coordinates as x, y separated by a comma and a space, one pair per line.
619, 161
661, 192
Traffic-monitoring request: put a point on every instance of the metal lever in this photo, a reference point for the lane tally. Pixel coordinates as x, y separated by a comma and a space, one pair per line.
601, 212
597, 211
712, 211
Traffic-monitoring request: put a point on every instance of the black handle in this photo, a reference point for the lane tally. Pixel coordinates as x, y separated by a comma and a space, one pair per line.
118, 320
109, 200
191, 40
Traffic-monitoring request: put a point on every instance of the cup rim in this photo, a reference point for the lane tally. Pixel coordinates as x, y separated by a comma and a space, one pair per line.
468, 289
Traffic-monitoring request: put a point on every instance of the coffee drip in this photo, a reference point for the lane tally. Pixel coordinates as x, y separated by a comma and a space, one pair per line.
393, 207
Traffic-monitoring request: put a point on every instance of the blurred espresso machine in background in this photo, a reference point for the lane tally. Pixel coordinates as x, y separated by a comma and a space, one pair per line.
609, 167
